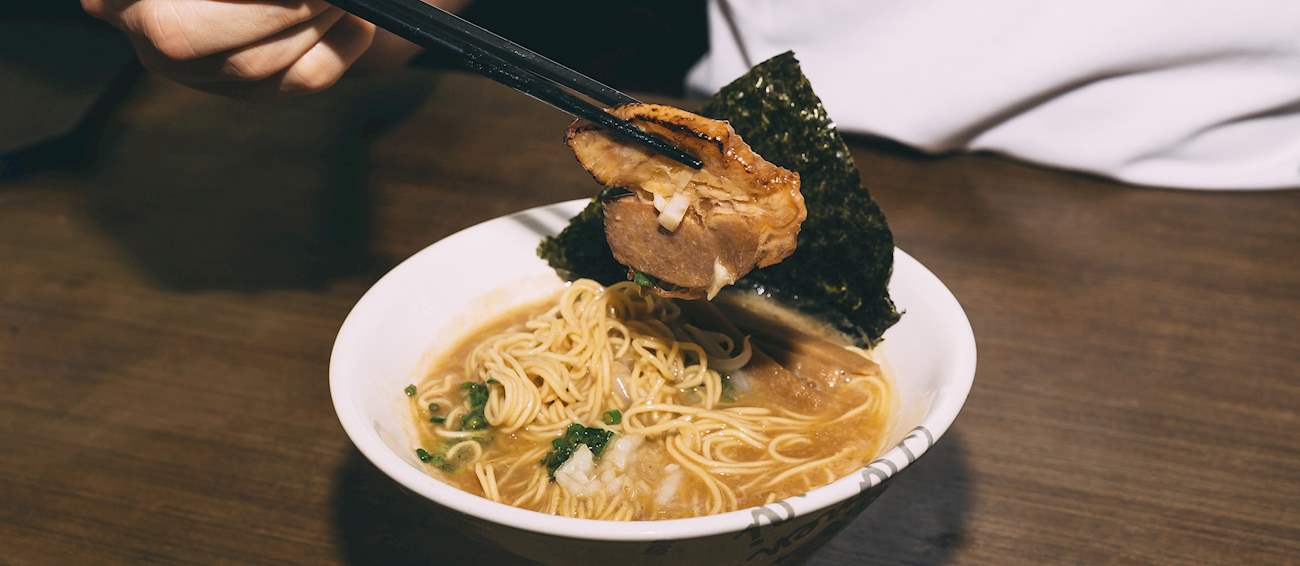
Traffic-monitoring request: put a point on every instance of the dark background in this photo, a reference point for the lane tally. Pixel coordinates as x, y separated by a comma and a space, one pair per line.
60, 69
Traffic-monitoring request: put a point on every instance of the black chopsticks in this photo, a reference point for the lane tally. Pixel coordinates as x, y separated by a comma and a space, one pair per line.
510, 64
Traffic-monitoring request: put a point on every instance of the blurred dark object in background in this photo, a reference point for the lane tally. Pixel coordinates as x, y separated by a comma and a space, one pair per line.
61, 72
58, 69
631, 46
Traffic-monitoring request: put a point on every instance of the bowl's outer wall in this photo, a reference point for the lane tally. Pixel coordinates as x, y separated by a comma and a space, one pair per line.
782, 539
425, 303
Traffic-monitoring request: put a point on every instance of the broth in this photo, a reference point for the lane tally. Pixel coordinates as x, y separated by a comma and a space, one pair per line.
682, 438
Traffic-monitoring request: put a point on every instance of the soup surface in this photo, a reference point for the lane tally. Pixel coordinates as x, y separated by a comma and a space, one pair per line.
611, 403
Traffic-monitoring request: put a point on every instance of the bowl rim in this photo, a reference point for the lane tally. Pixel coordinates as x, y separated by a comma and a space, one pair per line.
934, 424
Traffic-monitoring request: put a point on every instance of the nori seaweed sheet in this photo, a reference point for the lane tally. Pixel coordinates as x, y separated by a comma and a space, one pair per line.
841, 268
580, 250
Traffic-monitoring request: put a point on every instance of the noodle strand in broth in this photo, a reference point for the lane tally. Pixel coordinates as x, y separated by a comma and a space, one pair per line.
667, 434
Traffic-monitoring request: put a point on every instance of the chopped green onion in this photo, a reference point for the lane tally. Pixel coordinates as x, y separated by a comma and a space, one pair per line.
594, 438
612, 417
433, 407
473, 421
423, 455
475, 393
643, 279
493, 381
410, 391
437, 419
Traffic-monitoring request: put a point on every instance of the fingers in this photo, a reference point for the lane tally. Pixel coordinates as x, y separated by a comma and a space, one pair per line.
186, 30
261, 60
318, 69
326, 62
246, 48
266, 58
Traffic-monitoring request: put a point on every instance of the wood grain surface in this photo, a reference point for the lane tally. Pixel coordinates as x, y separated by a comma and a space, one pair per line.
167, 313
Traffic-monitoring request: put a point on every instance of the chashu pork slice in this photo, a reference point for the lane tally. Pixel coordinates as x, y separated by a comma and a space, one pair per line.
693, 231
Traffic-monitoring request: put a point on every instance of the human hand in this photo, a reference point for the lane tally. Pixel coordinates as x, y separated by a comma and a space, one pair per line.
246, 48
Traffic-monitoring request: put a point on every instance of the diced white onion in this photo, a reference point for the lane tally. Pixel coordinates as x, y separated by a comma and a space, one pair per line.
621, 374
740, 380
660, 202
611, 481
668, 486
618, 456
721, 277
671, 216
577, 475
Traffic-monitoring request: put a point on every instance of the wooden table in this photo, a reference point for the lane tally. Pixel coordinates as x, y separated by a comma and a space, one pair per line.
167, 313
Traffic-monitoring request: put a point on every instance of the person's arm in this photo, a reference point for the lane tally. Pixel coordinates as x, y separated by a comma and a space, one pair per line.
253, 49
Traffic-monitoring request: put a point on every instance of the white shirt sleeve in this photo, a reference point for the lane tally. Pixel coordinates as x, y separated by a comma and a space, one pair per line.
1184, 93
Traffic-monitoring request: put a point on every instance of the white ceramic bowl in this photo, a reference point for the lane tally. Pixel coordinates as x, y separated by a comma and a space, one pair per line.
422, 305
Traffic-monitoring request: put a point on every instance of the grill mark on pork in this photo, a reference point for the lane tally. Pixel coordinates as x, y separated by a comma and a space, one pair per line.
745, 212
